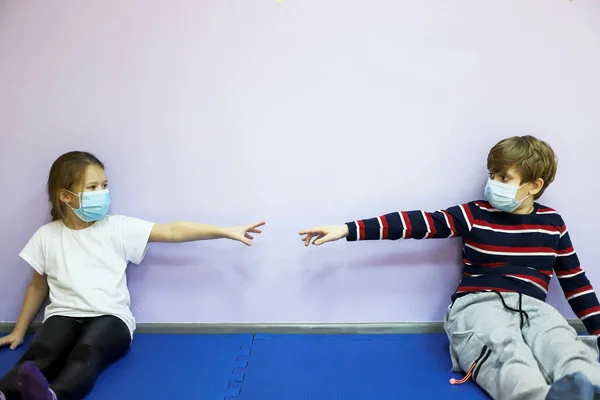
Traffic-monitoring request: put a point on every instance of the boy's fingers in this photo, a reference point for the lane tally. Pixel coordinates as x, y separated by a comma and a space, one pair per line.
312, 231
307, 239
320, 240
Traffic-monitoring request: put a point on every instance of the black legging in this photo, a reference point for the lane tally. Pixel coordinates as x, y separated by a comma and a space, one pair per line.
71, 353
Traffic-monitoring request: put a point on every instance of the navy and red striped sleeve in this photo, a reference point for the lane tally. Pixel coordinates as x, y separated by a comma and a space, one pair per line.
576, 286
452, 222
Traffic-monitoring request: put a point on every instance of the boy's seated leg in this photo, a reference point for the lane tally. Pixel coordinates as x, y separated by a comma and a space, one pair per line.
556, 345
483, 332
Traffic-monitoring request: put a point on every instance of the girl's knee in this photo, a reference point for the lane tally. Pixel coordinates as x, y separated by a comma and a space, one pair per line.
40, 354
84, 353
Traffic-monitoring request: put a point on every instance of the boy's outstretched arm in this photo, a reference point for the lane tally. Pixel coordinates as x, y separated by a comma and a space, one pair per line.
454, 221
576, 286
179, 232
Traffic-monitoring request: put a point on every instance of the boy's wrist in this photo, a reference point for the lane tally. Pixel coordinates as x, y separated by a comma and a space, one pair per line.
346, 230
350, 231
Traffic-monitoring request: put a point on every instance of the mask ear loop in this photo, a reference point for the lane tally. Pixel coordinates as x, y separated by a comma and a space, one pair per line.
74, 194
526, 197
75, 209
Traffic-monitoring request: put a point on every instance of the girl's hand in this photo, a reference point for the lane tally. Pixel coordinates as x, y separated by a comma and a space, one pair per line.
243, 233
13, 340
324, 234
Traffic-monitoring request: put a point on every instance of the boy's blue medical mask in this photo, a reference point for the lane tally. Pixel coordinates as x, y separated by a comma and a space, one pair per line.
502, 196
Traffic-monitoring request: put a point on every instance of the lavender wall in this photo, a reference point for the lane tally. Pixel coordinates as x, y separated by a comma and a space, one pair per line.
301, 113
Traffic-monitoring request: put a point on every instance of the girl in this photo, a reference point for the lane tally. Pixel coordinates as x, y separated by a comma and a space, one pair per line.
79, 259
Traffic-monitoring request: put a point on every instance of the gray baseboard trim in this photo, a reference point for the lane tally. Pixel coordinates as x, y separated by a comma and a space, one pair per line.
216, 328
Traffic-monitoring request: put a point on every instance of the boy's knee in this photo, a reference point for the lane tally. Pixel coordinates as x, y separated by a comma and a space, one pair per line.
571, 354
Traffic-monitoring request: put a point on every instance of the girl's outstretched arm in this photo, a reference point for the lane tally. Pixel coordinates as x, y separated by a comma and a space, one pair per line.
179, 232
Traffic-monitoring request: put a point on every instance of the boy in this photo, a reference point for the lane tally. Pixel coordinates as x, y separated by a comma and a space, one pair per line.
501, 332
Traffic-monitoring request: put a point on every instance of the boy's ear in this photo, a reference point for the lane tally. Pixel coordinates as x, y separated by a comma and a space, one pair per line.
538, 185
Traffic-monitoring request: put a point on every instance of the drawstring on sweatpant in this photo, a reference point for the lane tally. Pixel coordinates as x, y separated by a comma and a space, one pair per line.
520, 310
466, 378
485, 353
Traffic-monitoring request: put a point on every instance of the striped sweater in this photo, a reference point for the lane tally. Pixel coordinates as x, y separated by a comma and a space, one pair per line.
501, 252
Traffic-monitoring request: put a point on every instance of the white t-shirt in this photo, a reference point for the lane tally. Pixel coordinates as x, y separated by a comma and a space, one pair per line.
86, 268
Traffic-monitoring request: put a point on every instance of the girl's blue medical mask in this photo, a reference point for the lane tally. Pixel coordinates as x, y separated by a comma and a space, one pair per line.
92, 205
502, 196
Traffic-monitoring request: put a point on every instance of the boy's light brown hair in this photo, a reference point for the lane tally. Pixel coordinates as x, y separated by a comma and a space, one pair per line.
531, 157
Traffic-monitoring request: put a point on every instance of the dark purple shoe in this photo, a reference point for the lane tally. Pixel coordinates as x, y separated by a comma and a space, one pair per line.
33, 385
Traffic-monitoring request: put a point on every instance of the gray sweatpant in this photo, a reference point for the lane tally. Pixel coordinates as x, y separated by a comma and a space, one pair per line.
513, 362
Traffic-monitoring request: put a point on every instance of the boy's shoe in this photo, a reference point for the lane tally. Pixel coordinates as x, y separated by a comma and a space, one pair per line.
573, 387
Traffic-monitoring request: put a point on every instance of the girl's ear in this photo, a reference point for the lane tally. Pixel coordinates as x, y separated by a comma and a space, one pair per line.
68, 198
64, 196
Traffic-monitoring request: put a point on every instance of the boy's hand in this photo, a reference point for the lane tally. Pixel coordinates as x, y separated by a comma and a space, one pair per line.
243, 233
13, 340
324, 234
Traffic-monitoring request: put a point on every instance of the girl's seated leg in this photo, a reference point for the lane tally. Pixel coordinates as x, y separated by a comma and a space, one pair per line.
103, 341
48, 351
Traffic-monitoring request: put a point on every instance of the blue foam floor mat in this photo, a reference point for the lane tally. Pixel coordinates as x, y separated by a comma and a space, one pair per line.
349, 367
290, 367
174, 367
164, 367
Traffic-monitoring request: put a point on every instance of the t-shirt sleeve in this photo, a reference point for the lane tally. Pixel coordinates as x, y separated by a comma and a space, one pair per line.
135, 234
33, 253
